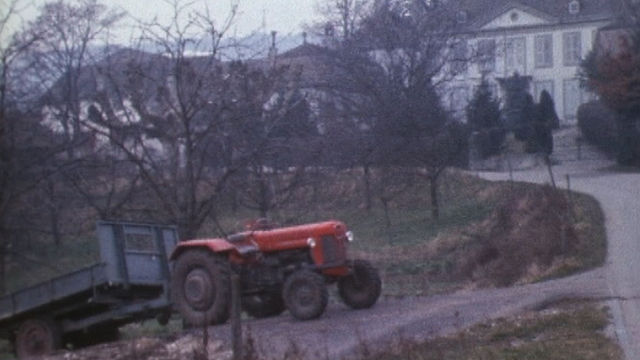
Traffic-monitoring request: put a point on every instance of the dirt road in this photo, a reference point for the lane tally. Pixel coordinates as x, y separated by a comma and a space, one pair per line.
342, 333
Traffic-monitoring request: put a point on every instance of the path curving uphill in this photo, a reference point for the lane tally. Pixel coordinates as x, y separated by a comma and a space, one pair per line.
618, 194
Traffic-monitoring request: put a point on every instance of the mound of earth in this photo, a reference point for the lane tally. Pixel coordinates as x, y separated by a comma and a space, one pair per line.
521, 238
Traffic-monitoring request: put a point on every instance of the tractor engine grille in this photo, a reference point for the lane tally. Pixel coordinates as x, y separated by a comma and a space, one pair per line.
333, 250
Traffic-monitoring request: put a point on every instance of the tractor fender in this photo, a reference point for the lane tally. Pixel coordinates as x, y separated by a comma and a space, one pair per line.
217, 246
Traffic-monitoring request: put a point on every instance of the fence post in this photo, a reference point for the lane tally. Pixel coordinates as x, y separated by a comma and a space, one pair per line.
236, 318
547, 162
579, 144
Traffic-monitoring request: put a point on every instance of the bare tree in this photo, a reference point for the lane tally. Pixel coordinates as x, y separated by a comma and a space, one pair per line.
341, 18
21, 152
387, 81
68, 32
281, 141
68, 36
169, 114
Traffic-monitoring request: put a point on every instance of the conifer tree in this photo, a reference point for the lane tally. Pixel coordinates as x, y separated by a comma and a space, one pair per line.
484, 119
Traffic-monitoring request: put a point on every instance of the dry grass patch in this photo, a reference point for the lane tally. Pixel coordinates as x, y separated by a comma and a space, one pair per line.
567, 331
532, 233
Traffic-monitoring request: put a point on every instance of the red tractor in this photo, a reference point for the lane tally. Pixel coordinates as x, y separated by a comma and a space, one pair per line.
279, 269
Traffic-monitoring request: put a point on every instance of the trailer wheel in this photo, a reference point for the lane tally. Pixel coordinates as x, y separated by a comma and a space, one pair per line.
264, 305
305, 295
37, 337
360, 289
201, 288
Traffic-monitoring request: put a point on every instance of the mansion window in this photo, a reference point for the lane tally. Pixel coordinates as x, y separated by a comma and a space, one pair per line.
515, 56
458, 98
572, 43
572, 95
459, 57
544, 51
486, 55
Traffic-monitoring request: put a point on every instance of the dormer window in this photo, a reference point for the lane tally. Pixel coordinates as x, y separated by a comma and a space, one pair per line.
574, 7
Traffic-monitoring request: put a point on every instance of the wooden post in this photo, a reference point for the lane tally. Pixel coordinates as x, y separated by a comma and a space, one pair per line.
579, 145
236, 318
205, 339
547, 161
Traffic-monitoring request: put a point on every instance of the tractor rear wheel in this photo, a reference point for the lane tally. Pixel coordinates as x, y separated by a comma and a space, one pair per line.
264, 305
360, 289
305, 294
201, 288
37, 337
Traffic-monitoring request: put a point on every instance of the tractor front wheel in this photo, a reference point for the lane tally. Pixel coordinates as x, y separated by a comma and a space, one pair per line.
360, 289
201, 288
305, 294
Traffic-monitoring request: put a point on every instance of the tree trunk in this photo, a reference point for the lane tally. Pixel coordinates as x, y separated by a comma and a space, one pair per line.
435, 204
54, 214
367, 187
3, 258
387, 218
188, 231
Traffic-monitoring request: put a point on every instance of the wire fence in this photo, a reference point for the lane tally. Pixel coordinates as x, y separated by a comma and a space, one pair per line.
568, 148
577, 151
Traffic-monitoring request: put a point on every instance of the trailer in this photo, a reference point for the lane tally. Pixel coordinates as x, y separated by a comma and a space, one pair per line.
88, 305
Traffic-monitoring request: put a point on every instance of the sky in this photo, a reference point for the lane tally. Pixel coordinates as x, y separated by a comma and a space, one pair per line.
283, 16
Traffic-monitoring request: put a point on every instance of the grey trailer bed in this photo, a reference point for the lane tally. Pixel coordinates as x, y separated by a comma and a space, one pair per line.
88, 305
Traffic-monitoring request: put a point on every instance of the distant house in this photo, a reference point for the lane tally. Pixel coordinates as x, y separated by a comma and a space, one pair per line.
542, 39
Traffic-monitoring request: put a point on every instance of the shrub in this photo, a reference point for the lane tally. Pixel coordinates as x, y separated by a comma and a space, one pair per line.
598, 126
628, 149
542, 119
548, 109
614, 134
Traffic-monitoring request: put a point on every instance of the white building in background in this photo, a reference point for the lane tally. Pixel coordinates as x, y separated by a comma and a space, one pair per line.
543, 39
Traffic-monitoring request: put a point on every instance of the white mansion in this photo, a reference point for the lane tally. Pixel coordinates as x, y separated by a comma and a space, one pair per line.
543, 39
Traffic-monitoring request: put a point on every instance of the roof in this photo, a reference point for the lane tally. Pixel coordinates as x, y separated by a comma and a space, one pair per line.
480, 12
306, 49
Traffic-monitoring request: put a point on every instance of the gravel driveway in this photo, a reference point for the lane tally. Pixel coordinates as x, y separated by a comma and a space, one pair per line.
342, 333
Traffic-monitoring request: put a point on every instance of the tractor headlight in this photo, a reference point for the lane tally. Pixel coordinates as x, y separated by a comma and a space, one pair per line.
311, 242
350, 236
